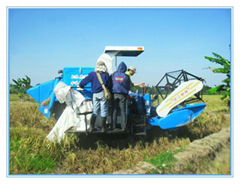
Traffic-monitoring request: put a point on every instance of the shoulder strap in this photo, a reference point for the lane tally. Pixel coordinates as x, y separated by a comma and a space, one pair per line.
100, 80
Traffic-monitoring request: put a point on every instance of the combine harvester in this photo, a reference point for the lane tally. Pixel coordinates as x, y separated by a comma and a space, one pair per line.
72, 107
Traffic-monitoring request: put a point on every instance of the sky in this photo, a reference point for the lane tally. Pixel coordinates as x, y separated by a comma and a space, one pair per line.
42, 41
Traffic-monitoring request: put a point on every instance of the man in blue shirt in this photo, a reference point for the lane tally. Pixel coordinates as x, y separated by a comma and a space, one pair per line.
100, 103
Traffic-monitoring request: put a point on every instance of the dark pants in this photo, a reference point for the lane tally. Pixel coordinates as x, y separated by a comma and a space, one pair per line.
119, 107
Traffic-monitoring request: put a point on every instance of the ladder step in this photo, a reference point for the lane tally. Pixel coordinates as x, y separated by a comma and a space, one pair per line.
140, 128
140, 125
141, 133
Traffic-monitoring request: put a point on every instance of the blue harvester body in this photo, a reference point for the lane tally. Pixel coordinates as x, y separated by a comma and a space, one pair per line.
143, 102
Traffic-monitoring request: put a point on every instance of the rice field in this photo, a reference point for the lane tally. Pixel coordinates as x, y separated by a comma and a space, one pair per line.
31, 153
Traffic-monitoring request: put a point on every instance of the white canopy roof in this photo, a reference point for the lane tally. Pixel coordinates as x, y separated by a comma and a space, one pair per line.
124, 50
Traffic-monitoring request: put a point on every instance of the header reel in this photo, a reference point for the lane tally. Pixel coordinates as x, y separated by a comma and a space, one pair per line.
171, 80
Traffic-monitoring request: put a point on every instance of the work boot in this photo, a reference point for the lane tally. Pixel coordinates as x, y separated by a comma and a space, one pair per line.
113, 124
123, 128
103, 123
92, 122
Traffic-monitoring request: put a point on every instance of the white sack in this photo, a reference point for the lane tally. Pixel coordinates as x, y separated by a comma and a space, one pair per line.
61, 90
66, 120
76, 103
85, 107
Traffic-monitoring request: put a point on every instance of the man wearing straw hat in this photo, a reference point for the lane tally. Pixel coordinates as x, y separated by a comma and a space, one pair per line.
100, 103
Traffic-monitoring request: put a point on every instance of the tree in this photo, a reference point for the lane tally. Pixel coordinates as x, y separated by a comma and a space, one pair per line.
225, 69
20, 85
205, 90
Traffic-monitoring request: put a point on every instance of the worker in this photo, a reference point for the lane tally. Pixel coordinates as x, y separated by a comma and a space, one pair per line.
121, 83
130, 72
100, 103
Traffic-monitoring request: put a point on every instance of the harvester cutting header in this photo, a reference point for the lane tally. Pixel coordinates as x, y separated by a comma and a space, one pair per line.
72, 106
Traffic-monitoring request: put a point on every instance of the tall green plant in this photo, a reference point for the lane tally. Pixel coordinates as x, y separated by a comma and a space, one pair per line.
225, 69
20, 85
